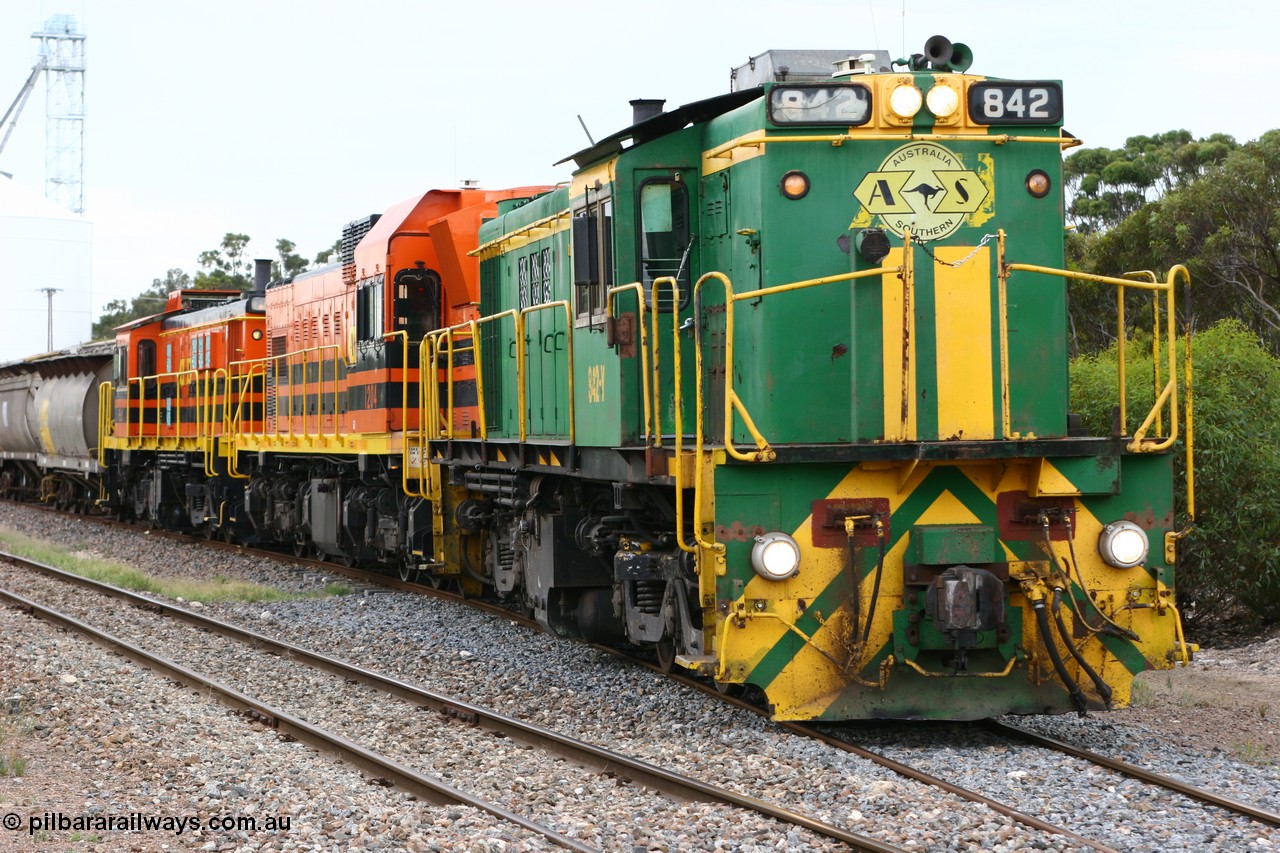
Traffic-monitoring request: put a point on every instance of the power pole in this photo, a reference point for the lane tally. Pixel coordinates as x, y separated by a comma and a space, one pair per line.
49, 291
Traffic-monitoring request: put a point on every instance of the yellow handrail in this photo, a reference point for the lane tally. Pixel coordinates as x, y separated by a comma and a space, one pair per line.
176, 376
405, 432
764, 452
642, 302
653, 409
677, 398
204, 419
722, 151
429, 384
254, 366
520, 360
142, 407
232, 419
732, 400
429, 364
1139, 444
106, 418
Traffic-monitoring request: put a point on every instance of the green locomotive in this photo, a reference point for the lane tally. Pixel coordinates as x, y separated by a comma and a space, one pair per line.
777, 386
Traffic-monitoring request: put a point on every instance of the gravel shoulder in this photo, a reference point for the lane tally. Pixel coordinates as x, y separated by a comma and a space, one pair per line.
1212, 723
1227, 699
102, 739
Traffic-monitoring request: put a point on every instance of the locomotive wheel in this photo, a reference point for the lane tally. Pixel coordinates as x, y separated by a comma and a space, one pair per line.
210, 530
406, 570
301, 547
666, 650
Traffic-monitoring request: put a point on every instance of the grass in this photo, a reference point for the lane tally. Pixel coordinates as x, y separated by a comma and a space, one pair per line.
1253, 753
218, 588
1141, 695
12, 762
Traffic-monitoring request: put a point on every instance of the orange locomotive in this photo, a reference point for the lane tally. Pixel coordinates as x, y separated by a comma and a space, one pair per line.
279, 416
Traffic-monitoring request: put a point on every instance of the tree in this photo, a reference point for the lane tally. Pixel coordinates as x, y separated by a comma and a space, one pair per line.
151, 301
1232, 559
225, 268
325, 256
1104, 185
1224, 224
290, 264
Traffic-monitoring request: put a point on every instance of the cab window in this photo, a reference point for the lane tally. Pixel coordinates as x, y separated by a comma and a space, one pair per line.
146, 358
664, 237
592, 256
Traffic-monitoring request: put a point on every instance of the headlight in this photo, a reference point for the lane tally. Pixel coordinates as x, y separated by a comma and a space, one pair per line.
905, 101
1123, 544
775, 556
943, 101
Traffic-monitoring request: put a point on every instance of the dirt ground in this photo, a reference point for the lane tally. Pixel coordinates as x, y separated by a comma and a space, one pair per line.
1228, 698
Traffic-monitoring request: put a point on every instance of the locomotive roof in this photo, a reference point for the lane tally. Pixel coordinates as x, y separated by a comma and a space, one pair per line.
798, 66
184, 302
663, 124
94, 350
249, 303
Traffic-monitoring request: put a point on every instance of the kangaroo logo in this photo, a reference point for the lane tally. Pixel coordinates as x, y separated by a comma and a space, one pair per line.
924, 187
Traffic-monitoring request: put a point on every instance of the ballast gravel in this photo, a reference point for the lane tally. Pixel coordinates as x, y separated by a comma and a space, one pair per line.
103, 740
590, 695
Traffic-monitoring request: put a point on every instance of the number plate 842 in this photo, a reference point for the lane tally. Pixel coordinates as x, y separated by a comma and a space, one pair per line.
1015, 103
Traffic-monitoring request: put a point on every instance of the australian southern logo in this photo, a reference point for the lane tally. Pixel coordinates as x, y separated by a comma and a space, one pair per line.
924, 187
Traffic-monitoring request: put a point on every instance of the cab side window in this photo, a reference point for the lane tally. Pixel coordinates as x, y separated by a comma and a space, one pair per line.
592, 256
146, 358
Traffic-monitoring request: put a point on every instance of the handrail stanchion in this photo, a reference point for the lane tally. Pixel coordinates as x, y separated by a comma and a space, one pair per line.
521, 364
641, 301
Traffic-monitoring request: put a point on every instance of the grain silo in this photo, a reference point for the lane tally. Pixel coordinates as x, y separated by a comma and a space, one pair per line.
42, 246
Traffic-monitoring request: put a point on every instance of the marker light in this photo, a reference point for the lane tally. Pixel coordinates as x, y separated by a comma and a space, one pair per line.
943, 101
905, 101
775, 556
794, 185
1038, 184
1123, 544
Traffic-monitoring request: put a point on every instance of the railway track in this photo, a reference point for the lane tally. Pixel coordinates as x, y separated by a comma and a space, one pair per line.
842, 742
381, 766
1169, 783
603, 761
1011, 732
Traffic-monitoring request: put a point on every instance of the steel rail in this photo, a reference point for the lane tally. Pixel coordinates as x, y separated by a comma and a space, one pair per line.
1135, 771
406, 778
797, 728
665, 781
884, 761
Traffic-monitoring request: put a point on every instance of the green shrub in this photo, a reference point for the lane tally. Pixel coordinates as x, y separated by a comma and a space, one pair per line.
1232, 560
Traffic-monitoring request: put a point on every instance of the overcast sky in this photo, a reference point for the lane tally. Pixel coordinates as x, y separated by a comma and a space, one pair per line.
289, 118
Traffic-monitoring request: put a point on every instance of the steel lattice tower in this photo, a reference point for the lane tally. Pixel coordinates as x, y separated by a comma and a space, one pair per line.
62, 45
